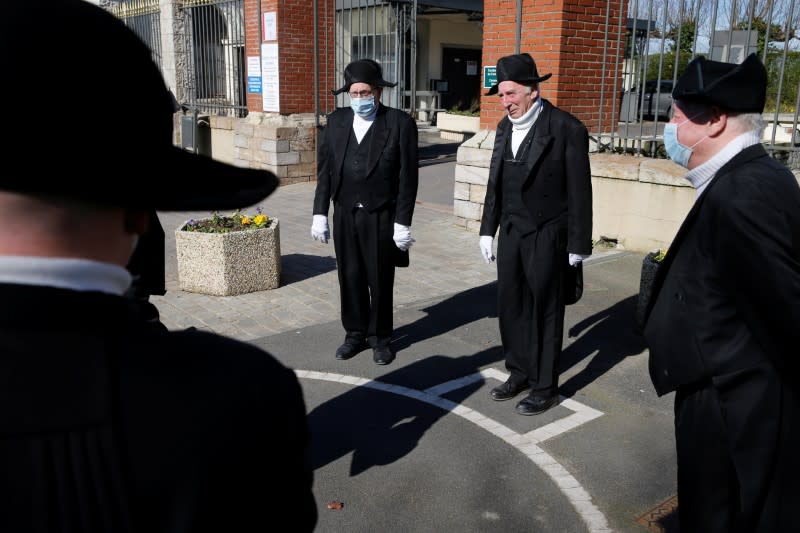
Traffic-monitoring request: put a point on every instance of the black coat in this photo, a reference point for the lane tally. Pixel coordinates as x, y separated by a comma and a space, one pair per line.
723, 330
559, 178
727, 296
111, 424
392, 165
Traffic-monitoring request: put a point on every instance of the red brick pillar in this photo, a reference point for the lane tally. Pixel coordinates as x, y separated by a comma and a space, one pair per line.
565, 37
296, 51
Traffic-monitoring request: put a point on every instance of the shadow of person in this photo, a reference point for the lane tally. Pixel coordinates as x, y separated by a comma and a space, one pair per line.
611, 333
380, 427
298, 267
447, 315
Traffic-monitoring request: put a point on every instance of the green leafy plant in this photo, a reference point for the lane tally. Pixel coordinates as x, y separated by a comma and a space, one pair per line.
237, 221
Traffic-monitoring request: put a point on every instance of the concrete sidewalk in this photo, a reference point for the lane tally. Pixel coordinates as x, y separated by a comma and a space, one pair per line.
418, 445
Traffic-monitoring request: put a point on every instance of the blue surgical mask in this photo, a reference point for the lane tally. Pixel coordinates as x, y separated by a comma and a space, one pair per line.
676, 151
363, 107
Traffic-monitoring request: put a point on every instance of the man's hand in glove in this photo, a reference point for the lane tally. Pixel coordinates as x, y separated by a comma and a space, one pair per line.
319, 228
402, 237
486, 248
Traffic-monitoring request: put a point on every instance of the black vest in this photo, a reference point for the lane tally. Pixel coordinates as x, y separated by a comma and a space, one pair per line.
514, 174
354, 169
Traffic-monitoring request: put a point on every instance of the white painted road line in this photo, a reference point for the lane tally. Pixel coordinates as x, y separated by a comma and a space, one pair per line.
569, 486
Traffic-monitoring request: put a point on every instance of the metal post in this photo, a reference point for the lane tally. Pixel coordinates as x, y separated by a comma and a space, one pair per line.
519, 27
413, 66
316, 63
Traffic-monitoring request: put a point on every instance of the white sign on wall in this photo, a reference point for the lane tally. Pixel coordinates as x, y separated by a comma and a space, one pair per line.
270, 25
270, 74
254, 75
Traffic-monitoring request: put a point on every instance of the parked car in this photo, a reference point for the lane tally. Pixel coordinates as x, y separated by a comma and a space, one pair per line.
652, 104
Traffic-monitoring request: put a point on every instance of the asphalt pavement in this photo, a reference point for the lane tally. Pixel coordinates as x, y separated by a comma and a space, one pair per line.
418, 445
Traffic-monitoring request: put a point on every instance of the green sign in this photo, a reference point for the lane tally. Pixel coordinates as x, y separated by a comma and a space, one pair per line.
489, 76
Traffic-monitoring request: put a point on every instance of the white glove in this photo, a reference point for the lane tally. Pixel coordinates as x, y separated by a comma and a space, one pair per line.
319, 229
574, 259
402, 237
486, 248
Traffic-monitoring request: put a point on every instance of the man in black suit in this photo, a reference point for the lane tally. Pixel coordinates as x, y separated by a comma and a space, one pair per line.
539, 194
367, 165
109, 422
723, 325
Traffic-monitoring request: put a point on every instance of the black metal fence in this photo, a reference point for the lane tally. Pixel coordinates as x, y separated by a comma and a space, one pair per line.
212, 63
662, 36
144, 18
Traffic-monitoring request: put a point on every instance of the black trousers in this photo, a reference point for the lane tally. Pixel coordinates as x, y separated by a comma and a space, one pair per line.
737, 442
364, 255
530, 304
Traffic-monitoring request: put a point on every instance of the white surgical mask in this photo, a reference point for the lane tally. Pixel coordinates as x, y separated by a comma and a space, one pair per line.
676, 151
363, 107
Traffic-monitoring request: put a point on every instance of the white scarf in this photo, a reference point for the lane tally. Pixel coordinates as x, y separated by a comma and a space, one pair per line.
702, 175
520, 126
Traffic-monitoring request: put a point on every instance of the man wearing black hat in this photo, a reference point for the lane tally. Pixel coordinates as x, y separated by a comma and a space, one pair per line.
367, 165
723, 327
107, 422
539, 194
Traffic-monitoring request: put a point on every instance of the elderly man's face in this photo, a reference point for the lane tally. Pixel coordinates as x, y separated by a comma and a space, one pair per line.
361, 90
517, 99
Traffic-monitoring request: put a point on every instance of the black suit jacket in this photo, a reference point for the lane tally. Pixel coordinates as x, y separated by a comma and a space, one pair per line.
392, 165
726, 299
108, 423
559, 177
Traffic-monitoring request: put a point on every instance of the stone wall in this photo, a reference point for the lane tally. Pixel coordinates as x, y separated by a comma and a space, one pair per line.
284, 145
639, 202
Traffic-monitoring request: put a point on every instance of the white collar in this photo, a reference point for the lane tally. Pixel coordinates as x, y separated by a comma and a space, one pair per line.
702, 175
362, 124
526, 121
64, 273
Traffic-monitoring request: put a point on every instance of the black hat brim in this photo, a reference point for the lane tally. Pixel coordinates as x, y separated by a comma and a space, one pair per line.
493, 90
379, 83
211, 185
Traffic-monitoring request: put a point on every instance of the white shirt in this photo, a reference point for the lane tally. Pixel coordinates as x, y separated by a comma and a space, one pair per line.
702, 175
520, 126
64, 273
361, 124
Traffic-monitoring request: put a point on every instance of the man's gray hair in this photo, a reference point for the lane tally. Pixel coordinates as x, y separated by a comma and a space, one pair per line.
748, 122
743, 122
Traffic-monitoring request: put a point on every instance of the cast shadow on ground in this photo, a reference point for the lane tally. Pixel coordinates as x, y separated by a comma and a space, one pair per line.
611, 333
437, 153
448, 315
299, 267
381, 427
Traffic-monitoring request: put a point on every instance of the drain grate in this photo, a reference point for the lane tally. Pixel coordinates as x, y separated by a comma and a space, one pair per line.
663, 518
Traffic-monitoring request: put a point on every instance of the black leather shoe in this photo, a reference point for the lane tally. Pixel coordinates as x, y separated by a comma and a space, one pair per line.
533, 405
350, 348
383, 355
507, 390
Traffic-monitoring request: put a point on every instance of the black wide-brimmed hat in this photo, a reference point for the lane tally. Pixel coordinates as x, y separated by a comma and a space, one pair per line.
363, 71
94, 122
520, 68
741, 88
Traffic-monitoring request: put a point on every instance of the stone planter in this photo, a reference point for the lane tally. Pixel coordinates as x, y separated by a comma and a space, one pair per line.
648, 277
457, 127
226, 264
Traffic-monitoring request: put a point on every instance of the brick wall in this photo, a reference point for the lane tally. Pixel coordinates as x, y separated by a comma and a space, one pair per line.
565, 37
252, 45
295, 21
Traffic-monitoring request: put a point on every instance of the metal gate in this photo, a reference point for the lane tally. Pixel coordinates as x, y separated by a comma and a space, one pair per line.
213, 57
383, 31
143, 17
